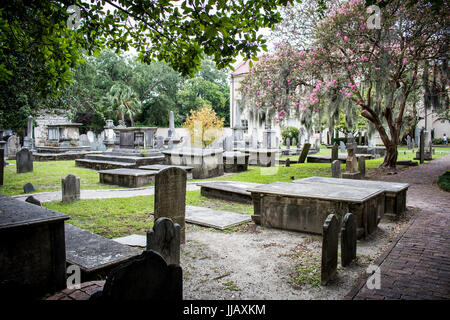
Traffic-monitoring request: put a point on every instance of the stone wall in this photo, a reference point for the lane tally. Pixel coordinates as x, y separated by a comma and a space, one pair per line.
40, 130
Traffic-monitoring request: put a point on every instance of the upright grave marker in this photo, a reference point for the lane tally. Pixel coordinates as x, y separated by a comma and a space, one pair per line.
334, 152
24, 161
2, 165
170, 196
362, 166
329, 249
348, 239
336, 169
13, 146
304, 154
70, 188
164, 238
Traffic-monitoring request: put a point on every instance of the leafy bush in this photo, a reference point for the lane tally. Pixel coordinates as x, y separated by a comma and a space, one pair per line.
289, 132
444, 181
204, 126
438, 141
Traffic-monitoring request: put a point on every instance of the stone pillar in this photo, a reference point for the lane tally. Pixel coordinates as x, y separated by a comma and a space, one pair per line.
28, 140
171, 133
336, 169
348, 239
170, 196
164, 238
70, 188
330, 239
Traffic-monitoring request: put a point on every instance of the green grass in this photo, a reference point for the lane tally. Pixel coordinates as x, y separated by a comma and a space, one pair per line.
46, 176
117, 217
444, 181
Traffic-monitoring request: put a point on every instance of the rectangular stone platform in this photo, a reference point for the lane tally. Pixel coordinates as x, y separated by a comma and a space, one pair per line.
131, 178
61, 156
235, 161
262, 157
304, 207
93, 253
395, 193
342, 157
49, 149
215, 218
32, 249
159, 167
235, 191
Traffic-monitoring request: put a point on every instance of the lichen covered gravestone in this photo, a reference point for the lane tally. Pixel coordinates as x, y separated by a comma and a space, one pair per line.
304, 154
164, 238
336, 169
348, 239
70, 188
334, 152
170, 196
329, 249
13, 146
362, 166
24, 161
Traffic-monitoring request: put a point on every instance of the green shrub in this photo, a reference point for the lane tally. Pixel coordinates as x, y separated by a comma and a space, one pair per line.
438, 141
444, 181
289, 132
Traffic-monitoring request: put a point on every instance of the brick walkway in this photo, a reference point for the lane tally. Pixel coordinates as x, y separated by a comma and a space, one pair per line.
417, 264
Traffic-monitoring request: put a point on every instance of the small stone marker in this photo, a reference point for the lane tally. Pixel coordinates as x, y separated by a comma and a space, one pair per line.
145, 277
33, 200
336, 169
13, 146
329, 249
409, 142
342, 145
170, 196
70, 188
362, 166
28, 188
334, 152
288, 162
164, 238
288, 143
348, 239
304, 154
24, 161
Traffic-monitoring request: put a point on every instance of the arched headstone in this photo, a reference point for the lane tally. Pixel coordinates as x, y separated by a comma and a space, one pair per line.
24, 161
348, 239
70, 188
164, 238
330, 241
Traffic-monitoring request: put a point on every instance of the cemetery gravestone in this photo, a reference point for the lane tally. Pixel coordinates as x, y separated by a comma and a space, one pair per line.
422, 146
348, 239
294, 142
170, 196
70, 188
329, 249
288, 143
84, 141
362, 166
33, 200
24, 161
13, 146
171, 133
164, 238
334, 152
145, 277
409, 142
2, 165
304, 154
342, 146
160, 142
336, 169
28, 188
288, 162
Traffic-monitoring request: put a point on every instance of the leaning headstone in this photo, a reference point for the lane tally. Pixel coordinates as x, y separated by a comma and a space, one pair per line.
2, 165
170, 196
164, 238
24, 161
145, 277
348, 239
329, 249
336, 169
28, 188
33, 200
334, 152
342, 145
70, 188
288, 162
13, 146
362, 166
304, 154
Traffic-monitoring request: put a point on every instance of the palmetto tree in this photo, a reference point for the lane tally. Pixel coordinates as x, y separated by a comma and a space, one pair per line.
123, 100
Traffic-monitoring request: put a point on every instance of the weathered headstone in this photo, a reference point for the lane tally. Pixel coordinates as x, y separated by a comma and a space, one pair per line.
24, 161
294, 142
70, 188
348, 239
288, 162
422, 146
28, 188
2, 165
330, 241
334, 152
317, 144
90, 136
159, 142
409, 142
164, 238
228, 143
288, 143
33, 200
342, 146
84, 141
351, 162
336, 169
13, 146
304, 154
171, 133
145, 277
170, 196
362, 166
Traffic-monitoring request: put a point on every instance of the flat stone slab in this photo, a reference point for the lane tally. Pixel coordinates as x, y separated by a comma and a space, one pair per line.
129, 172
341, 157
163, 166
369, 184
92, 252
215, 218
132, 178
317, 191
134, 240
230, 186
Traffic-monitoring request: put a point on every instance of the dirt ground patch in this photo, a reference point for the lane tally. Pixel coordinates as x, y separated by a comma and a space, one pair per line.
254, 262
